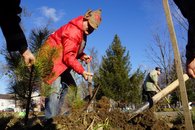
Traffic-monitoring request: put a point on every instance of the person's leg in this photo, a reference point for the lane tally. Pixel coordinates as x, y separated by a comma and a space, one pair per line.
150, 94
67, 78
52, 102
66, 81
63, 101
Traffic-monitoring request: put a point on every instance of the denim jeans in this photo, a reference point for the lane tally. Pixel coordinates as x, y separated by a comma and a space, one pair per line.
54, 102
57, 103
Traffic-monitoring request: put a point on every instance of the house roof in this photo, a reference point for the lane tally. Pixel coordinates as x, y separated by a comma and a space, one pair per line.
6, 96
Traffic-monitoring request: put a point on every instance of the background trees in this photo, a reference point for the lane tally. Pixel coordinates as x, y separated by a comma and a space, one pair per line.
114, 75
160, 53
114, 71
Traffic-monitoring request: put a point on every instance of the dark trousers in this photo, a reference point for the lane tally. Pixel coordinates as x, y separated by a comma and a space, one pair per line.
149, 95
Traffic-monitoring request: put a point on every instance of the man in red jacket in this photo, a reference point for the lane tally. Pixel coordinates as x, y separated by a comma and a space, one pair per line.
69, 41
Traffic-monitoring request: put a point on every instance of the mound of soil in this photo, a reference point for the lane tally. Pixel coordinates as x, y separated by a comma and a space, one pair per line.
100, 118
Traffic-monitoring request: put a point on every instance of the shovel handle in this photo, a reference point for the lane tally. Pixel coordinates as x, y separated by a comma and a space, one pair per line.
160, 90
89, 81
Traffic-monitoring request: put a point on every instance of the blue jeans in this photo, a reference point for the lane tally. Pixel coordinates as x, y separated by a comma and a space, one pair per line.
54, 102
57, 100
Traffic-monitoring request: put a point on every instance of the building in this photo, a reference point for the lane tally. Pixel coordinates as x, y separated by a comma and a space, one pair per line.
8, 102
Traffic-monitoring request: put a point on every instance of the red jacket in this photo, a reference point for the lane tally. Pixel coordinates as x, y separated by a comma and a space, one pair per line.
67, 39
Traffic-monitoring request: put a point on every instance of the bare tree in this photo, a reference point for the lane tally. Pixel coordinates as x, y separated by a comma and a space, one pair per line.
95, 61
160, 53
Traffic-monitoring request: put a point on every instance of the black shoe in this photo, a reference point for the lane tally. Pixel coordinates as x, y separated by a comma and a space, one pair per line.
87, 98
47, 121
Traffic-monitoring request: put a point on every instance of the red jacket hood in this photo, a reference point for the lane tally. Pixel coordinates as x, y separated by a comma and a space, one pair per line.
78, 22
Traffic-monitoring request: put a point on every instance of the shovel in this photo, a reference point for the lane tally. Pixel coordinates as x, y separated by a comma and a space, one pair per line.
161, 94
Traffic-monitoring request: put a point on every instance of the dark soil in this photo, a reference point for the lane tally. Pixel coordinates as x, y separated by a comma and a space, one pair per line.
99, 119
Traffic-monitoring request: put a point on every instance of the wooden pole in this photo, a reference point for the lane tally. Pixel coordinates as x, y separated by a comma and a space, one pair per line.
160, 90
89, 81
168, 89
179, 70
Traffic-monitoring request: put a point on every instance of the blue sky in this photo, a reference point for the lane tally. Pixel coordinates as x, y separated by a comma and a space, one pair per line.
133, 21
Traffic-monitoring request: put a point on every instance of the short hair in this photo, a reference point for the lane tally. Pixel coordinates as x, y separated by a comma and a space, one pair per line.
158, 69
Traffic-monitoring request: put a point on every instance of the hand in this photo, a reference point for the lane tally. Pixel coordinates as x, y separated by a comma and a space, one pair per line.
86, 75
190, 68
87, 58
157, 90
29, 58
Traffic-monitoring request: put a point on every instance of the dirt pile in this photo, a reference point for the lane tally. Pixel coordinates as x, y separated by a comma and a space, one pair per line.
104, 118
98, 119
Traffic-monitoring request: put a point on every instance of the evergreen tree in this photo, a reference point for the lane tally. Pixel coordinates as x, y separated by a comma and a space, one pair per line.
25, 80
136, 82
114, 72
173, 76
18, 70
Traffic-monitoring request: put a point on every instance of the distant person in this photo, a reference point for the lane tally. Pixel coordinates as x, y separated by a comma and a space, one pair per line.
187, 8
150, 86
69, 41
10, 26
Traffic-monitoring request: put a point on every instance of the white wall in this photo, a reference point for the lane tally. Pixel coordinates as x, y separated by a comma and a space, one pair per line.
6, 103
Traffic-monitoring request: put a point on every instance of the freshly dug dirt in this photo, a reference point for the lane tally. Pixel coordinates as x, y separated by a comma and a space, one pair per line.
99, 119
